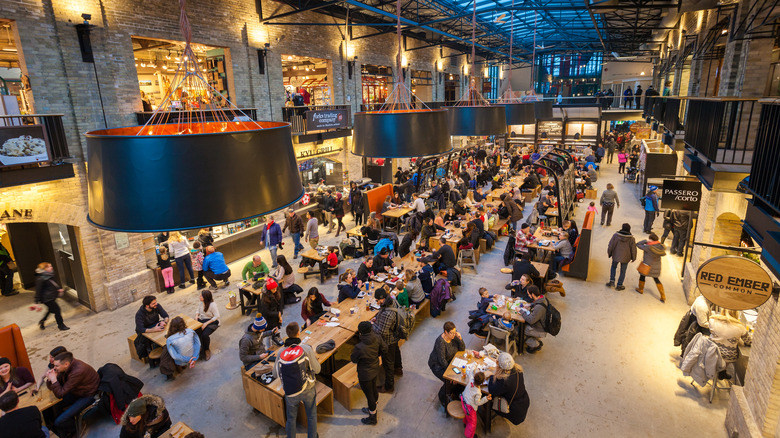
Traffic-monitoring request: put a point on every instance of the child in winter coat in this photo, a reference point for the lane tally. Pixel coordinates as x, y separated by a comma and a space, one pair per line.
622, 158
196, 254
471, 399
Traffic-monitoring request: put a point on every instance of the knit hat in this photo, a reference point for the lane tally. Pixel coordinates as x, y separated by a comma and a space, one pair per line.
653, 188
626, 228
270, 284
136, 407
505, 361
364, 327
326, 346
259, 323
4, 360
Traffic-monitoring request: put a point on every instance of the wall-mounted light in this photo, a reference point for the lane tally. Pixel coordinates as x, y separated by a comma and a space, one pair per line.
451, 77
404, 61
501, 74
486, 73
642, 74
724, 31
350, 52
440, 65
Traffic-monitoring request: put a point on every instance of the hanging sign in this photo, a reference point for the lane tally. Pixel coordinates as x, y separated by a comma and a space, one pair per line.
681, 195
326, 119
734, 282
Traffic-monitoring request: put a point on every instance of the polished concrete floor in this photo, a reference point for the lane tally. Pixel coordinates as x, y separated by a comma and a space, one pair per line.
612, 371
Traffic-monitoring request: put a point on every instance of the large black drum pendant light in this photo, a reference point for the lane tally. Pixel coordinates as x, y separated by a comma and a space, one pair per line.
517, 112
209, 166
473, 115
397, 130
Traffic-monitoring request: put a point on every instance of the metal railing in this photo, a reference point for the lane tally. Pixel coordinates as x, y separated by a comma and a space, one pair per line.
296, 116
764, 179
52, 125
143, 117
723, 130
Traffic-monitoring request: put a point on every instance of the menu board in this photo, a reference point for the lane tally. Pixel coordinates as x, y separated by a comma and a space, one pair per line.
23, 145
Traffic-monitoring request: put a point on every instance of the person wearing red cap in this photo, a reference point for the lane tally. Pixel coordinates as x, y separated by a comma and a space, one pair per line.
271, 308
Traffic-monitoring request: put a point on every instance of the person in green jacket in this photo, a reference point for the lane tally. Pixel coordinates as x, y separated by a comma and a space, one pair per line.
255, 266
400, 294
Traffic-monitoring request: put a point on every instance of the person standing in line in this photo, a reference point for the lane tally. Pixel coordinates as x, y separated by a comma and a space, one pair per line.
338, 212
208, 315
166, 268
272, 238
386, 322
295, 224
366, 355
196, 254
653, 250
46, 292
355, 203
205, 238
622, 158
312, 231
6, 273
609, 199
447, 345
329, 205
652, 211
638, 97
622, 250
180, 251
297, 366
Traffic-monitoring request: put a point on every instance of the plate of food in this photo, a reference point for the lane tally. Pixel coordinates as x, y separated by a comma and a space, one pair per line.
23, 149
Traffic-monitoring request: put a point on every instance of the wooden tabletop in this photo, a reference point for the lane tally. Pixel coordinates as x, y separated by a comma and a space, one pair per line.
500, 311
461, 378
247, 286
396, 212
312, 253
43, 400
355, 231
349, 320
159, 337
552, 211
178, 430
538, 235
541, 267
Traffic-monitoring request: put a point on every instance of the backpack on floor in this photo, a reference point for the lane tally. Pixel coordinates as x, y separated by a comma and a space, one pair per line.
552, 319
294, 369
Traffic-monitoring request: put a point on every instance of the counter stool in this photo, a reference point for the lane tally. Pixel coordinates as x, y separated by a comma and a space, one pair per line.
455, 409
154, 357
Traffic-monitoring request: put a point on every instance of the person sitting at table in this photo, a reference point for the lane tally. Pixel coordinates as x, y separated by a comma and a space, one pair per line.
76, 383
472, 399
370, 234
552, 188
366, 270
571, 229
271, 308
519, 287
182, 348
285, 277
438, 222
145, 417
14, 378
215, 268
564, 252
383, 262
388, 204
547, 203
400, 294
254, 269
418, 204
450, 216
508, 383
346, 288
406, 243
17, 422
446, 258
208, 315
150, 318
366, 354
441, 293
504, 322
436, 194
333, 258
537, 311
313, 307
428, 231
447, 345
470, 237
524, 266
426, 274
479, 317
251, 346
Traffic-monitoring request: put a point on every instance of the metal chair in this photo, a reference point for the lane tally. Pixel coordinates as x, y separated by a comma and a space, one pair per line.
466, 257
504, 335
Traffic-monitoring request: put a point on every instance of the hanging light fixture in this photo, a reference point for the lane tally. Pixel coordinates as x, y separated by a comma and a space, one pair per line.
397, 129
140, 177
517, 112
473, 115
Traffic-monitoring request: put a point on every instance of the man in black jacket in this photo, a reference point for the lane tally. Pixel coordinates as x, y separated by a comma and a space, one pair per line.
681, 220
47, 292
366, 355
329, 205
151, 317
366, 270
295, 224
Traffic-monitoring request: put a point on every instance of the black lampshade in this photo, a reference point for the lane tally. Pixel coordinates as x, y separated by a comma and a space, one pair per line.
477, 120
150, 183
401, 133
577, 136
520, 113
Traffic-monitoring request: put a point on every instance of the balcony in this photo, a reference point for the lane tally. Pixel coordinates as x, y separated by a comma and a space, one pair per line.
143, 117
720, 135
318, 122
55, 168
762, 218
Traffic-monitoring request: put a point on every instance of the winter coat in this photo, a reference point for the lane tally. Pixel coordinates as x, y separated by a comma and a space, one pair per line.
157, 418
652, 256
622, 247
681, 219
439, 295
701, 360
250, 346
46, 290
609, 196
512, 388
366, 355
121, 386
347, 290
515, 214
275, 237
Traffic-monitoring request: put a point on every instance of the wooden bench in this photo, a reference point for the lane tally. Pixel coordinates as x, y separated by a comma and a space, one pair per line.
346, 388
324, 403
133, 351
533, 194
496, 228
423, 311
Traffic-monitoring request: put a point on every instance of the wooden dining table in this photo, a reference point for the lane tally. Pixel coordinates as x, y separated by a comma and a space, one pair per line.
159, 338
43, 400
396, 214
313, 254
460, 378
178, 430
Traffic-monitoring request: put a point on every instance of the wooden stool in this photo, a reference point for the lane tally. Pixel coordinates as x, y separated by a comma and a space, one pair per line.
131, 346
345, 386
154, 357
455, 409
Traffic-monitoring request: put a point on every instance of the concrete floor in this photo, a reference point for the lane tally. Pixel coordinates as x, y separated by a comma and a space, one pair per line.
612, 371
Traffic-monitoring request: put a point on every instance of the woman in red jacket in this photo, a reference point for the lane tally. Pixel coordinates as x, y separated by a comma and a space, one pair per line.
312, 307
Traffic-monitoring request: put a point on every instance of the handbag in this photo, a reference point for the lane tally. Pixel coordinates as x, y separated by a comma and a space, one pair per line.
643, 268
500, 404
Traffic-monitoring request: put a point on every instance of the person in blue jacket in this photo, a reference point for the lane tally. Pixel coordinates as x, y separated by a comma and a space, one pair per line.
347, 287
651, 208
272, 237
